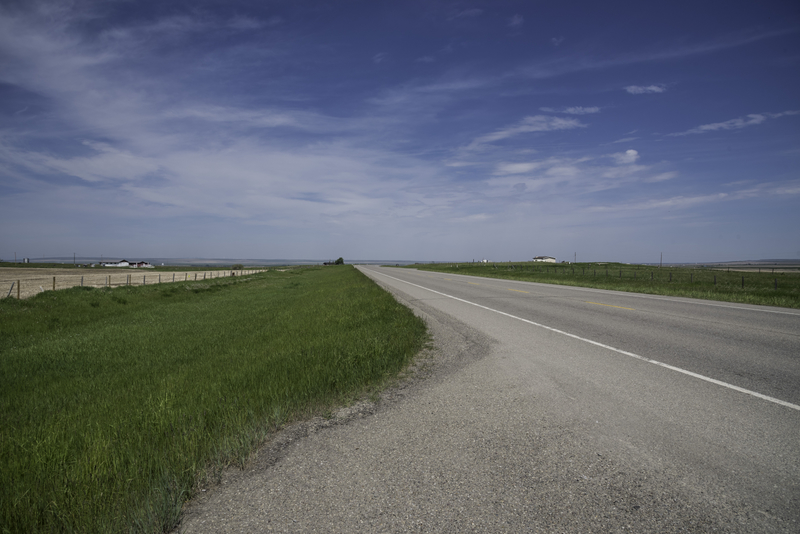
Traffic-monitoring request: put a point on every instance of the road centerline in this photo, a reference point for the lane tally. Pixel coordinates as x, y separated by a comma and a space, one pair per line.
610, 305
608, 347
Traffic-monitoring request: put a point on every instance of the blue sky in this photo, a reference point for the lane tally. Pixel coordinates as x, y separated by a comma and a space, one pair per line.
400, 130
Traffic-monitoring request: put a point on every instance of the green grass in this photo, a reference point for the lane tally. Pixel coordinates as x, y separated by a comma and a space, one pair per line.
701, 283
114, 403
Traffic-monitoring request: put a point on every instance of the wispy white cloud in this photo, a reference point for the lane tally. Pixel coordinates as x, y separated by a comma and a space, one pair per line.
426, 59
535, 123
578, 110
624, 158
674, 202
625, 140
379, 57
661, 177
643, 90
516, 21
583, 61
516, 168
261, 118
556, 178
736, 124
684, 202
573, 110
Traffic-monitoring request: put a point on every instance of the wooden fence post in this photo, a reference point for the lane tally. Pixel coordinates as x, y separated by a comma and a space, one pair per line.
18, 284
54, 283
81, 281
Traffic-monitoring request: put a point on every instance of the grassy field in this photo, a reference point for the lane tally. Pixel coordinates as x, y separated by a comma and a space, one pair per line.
114, 403
751, 287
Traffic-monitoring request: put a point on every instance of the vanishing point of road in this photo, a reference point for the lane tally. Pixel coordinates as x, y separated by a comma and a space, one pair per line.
549, 409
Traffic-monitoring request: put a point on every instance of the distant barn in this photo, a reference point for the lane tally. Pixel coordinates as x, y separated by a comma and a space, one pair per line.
547, 259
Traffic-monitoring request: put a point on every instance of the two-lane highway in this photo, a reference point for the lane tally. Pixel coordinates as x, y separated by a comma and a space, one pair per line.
708, 390
551, 409
752, 347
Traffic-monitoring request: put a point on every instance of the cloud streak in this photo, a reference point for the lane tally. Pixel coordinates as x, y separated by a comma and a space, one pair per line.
736, 124
645, 90
573, 110
535, 123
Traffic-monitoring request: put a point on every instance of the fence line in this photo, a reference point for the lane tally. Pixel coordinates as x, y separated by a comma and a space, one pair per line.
34, 286
700, 278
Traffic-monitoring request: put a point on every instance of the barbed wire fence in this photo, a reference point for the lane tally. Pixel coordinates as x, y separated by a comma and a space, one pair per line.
24, 286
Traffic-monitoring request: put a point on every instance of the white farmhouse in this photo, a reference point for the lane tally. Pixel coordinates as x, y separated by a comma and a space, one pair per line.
123, 263
546, 259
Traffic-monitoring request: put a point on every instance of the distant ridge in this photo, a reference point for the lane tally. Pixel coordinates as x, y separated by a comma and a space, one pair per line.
211, 262
221, 262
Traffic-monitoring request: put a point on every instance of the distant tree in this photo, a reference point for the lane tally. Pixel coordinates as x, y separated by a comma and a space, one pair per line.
238, 267
340, 261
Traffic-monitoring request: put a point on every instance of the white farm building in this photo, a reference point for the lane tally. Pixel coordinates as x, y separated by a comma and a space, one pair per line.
126, 263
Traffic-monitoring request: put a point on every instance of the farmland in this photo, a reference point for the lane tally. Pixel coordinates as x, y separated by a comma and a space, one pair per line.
24, 282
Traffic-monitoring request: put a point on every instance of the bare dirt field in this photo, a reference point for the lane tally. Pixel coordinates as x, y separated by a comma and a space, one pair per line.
29, 282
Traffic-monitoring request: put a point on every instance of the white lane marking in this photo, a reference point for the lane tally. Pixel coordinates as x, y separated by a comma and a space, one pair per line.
620, 351
682, 300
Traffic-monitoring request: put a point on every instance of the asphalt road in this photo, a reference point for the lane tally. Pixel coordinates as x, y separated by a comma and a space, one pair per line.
548, 409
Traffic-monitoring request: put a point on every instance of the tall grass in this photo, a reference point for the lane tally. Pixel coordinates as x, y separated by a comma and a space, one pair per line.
770, 289
114, 402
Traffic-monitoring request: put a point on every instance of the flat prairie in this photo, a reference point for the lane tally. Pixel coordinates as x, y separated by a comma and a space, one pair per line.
35, 280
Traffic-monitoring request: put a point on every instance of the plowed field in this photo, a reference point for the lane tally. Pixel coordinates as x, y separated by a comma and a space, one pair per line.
28, 282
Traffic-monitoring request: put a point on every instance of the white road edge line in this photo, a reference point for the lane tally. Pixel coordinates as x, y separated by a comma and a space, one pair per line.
620, 351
